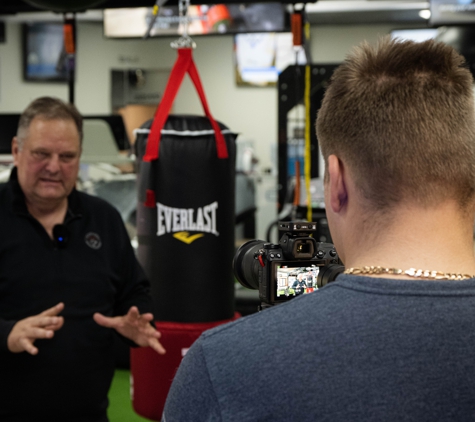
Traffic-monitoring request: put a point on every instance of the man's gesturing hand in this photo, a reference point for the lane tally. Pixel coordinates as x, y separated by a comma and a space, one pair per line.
135, 327
26, 331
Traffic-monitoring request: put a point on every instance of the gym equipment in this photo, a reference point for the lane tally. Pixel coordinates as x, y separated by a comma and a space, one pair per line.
153, 374
185, 228
185, 212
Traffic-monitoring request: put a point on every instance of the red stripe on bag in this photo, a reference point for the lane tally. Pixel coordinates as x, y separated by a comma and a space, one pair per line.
150, 201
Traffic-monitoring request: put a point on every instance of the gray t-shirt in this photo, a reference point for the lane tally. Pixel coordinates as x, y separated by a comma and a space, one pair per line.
359, 349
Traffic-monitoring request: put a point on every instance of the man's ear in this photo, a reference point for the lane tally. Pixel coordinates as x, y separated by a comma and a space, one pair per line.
337, 187
15, 150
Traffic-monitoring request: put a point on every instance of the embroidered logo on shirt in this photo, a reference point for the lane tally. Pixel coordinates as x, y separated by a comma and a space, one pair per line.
93, 240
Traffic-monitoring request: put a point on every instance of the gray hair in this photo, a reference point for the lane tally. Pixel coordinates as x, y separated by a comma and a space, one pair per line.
47, 108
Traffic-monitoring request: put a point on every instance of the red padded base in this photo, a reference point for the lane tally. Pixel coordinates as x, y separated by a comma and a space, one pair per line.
152, 374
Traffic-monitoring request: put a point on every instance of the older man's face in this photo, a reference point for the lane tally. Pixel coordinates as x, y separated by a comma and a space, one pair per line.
48, 162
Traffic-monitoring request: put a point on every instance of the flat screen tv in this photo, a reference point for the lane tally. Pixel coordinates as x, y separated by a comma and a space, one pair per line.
452, 12
415, 34
261, 57
44, 59
205, 19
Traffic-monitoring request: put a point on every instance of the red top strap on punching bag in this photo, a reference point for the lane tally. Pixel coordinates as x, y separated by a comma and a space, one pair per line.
183, 65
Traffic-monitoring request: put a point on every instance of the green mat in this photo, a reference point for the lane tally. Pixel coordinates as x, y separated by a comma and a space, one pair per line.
120, 404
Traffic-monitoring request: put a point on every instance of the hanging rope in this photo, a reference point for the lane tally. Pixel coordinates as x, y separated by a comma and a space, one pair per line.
308, 155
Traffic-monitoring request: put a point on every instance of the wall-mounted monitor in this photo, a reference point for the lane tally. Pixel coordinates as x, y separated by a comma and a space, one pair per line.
452, 12
418, 35
44, 58
261, 57
205, 19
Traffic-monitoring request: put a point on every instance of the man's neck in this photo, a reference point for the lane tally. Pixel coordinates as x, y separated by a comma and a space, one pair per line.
434, 239
49, 213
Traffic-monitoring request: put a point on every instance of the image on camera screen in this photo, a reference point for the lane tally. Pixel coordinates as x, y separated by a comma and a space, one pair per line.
295, 280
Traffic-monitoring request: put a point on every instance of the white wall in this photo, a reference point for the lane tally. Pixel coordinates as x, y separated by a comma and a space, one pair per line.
247, 110
330, 44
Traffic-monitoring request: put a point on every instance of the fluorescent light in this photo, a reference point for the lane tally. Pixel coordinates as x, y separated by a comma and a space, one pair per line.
424, 14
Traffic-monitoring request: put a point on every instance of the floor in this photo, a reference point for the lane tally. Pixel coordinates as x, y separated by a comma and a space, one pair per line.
120, 405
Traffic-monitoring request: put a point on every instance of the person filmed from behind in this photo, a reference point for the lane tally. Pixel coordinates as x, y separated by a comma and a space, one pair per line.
392, 338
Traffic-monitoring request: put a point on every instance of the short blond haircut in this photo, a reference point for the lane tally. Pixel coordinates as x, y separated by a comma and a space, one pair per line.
401, 115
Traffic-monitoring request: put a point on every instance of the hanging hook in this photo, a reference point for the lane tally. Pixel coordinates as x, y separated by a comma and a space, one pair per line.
184, 41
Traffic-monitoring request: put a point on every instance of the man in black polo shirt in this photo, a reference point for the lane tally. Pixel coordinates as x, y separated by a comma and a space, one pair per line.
67, 275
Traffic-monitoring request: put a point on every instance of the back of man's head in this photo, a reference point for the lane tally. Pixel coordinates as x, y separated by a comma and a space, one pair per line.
48, 108
401, 116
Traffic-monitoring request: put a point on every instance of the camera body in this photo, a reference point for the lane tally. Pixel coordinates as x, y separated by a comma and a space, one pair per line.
297, 265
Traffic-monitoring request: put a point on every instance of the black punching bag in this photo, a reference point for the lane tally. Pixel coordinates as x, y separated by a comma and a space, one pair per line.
185, 212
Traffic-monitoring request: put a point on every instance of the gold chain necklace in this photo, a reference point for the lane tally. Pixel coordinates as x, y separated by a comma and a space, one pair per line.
412, 272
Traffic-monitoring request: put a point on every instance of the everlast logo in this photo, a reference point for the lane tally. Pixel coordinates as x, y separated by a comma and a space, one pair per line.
180, 221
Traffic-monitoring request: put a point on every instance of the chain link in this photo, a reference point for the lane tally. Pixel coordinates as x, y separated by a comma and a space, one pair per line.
411, 272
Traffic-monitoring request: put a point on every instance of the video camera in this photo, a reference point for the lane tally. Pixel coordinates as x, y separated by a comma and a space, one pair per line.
297, 265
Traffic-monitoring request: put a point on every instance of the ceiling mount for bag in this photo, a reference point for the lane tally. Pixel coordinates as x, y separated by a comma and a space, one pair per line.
184, 41
183, 18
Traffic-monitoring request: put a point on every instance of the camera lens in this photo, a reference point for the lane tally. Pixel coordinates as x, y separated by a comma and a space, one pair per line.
245, 266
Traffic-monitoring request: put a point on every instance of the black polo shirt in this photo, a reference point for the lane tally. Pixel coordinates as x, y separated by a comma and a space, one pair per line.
95, 271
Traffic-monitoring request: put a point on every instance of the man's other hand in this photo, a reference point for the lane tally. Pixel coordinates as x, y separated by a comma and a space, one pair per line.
135, 327
26, 331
